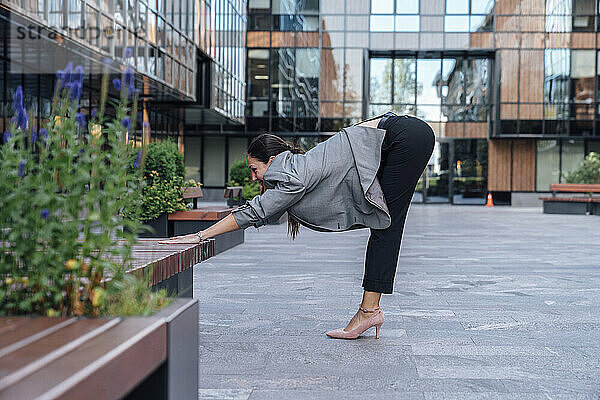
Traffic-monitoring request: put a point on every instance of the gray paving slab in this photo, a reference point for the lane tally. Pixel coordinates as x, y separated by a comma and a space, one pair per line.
488, 303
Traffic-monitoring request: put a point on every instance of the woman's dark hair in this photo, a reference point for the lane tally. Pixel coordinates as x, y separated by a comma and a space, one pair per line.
262, 148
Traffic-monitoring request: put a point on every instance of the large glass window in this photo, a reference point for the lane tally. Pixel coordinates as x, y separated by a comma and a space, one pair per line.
258, 73
192, 156
435, 89
468, 15
401, 17
214, 161
558, 15
548, 164
282, 73
557, 63
572, 153
381, 80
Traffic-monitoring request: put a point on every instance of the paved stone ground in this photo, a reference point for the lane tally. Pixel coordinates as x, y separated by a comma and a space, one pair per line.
499, 303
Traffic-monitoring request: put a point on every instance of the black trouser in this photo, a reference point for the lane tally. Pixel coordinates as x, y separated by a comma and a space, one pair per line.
405, 151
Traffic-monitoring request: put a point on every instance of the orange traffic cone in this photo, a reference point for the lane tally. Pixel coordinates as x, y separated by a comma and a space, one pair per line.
490, 201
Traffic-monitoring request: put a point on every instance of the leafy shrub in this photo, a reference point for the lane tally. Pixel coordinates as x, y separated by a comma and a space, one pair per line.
165, 159
588, 171
240, 175
163, 180
62, 191
161, 196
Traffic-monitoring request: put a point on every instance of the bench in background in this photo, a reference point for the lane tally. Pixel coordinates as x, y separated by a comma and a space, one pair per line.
232, 193
584, 203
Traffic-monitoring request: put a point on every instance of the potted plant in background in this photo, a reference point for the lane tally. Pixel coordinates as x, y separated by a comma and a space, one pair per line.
163, 173
67, 193
587, 172
240, 175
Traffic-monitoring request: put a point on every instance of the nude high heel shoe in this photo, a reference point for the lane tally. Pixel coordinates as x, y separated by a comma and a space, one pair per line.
375, 320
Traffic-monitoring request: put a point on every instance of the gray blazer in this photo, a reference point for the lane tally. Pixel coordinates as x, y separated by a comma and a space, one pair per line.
333, 187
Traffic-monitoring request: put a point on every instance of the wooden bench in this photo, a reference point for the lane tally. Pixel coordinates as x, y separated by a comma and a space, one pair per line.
192, 221
193, 193
233, 192
587, 204
101, 358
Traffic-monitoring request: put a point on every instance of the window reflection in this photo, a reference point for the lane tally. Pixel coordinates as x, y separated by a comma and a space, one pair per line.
558, 15
482, 6
382, 23
381, 80
440, 89
407, 23
556, 82
282, 72
405, 88
582, 83
382, 6
407, 6
456, 23
457, 6
258, 73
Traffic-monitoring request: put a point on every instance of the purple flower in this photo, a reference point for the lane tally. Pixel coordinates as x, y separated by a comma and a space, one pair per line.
18, 99
128, 77
108, 61
80, 118
117, 84
20, 117
6, 137
21, 120
59, 75
34, 137
136, 163
128, 53
44, 133
68, 74
21, 170
45, 213
94, 112
126, 122
75, 90
79, 71
81, 150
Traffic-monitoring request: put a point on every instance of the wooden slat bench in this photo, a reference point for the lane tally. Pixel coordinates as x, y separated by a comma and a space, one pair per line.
193, 193
233, 192
101, 358
563, 204
192, 221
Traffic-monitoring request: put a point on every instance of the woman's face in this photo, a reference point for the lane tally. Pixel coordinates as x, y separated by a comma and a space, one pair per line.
257, 167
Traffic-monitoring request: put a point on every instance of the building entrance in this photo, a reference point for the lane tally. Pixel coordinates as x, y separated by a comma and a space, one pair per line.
456, 173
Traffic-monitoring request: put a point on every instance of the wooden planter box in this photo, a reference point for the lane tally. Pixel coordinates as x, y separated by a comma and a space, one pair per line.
152, 357
130, 358
159, 225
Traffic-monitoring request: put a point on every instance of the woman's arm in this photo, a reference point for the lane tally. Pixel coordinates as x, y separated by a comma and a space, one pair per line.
225, 225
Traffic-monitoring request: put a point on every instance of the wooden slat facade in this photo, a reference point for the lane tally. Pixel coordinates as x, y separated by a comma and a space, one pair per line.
523, 165
499, 165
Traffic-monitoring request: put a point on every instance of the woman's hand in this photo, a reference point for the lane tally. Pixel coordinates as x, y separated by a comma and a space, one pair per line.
192, 238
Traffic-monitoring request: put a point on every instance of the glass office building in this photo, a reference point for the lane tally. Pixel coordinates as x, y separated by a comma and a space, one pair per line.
509, 87
188, 57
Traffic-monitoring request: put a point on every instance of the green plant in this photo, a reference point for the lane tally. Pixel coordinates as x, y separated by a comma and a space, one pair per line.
165, 159
160, 196
62, 191
130, 296
240, 175
588, 171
